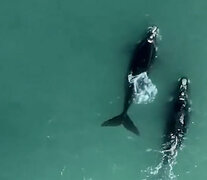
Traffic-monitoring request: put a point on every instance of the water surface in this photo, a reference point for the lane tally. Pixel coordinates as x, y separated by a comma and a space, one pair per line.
62, 71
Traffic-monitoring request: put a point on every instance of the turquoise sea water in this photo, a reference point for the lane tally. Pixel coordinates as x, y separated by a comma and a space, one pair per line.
62, 72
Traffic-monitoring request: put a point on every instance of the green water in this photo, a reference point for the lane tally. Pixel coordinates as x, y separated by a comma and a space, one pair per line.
62, 71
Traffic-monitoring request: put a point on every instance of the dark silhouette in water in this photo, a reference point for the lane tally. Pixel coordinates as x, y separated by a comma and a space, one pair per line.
177, 122
142, 59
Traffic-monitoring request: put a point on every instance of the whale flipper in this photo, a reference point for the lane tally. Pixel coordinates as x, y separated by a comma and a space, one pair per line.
123, 119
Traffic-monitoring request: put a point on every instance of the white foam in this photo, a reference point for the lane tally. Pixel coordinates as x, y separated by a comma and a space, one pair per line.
163, 171
144, 91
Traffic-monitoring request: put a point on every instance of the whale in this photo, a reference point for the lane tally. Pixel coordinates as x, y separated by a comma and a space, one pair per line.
177, 120
142, 59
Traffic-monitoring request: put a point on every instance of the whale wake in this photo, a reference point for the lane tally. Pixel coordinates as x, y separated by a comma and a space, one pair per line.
164, 170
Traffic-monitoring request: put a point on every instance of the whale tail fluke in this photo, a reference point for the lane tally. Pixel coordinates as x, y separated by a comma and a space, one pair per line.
123, 119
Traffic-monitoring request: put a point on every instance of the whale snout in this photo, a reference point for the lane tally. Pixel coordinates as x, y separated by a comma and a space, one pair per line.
154, 29
153, 33
184, 86
184, 81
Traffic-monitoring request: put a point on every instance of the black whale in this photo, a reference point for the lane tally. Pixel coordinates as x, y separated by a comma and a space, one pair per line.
178, 120
142, 59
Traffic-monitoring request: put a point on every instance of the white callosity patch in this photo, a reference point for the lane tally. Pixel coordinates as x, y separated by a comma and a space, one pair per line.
62, 171
144, 91
182, 119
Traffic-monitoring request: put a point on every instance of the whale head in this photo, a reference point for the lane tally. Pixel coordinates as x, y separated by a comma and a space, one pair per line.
183, 88
152, 34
